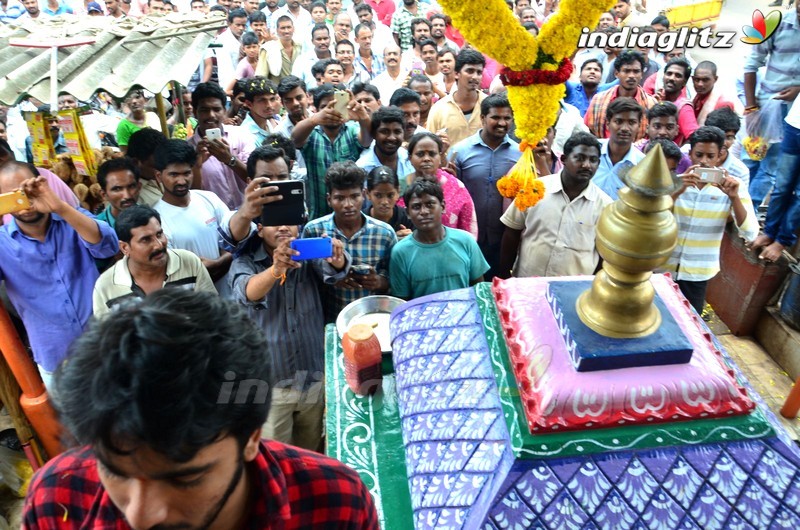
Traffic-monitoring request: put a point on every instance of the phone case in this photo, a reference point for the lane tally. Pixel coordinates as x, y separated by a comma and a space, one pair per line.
213, 134
14, 201
313, 248
291, 209
342, 100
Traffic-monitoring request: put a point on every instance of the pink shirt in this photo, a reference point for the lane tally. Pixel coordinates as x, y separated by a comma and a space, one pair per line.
218, 177
459, 210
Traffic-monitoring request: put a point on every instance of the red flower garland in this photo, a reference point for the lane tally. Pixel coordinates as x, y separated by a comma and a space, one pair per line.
537, 77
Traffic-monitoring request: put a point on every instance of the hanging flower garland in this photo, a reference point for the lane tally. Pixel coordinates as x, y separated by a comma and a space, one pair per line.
535, 71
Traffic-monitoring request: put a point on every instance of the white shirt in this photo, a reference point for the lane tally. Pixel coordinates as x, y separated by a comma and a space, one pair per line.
386, 85
227, 57
195, 227
793, 117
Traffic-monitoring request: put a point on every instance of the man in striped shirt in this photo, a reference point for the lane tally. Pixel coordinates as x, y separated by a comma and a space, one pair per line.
701, 210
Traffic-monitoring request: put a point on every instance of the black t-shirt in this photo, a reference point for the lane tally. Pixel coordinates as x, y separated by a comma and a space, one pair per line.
399, 216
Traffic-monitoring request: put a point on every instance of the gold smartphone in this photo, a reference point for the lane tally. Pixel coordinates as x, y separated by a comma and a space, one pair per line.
13, 202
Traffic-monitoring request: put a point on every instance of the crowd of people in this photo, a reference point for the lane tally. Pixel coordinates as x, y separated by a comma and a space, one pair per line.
401, 174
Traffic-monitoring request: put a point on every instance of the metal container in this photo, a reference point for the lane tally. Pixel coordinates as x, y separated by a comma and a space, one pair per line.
370, 310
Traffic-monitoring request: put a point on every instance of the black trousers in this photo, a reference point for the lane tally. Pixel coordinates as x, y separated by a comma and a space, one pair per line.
695, 292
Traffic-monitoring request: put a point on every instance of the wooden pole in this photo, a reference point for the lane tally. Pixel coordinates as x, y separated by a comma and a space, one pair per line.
9, 395
162, 114
34, 400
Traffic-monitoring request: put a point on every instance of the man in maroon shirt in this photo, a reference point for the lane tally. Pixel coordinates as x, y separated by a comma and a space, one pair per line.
167, 397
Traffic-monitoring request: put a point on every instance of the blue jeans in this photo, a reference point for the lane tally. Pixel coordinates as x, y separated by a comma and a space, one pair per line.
764, 172
783, 215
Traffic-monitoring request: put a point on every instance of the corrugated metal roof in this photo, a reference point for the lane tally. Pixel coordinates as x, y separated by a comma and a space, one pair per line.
148, 52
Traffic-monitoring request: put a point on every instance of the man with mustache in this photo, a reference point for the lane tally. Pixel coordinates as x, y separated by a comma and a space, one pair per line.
47, 255
480, 161
148, 264
557, 237
392, 78
119, 186
388, 129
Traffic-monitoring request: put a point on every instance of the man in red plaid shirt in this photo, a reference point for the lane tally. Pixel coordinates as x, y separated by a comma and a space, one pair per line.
167, 398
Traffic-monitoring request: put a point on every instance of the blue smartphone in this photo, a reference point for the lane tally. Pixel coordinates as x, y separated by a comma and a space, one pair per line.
313, 248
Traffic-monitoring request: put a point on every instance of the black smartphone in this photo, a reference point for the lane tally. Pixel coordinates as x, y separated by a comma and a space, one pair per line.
291, 209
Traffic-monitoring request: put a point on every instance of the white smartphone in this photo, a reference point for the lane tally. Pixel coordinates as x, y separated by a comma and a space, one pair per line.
342, 99
213, 134
711, 175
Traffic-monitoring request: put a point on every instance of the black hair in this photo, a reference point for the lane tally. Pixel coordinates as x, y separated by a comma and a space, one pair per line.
174, 152
143, 143
249, 38
707, 65
592, 60
363, 6
5, 149
435, 16
266, 153
494, 101
257, 16
682, 62
531, 25
418, 137
469, 56
284, 18
621, 105
280, 141
317, 3
346, 42
289, 83
219, 8
581, 138
115, 164
670, 148
421, 187
663, 109
344, 176
323, 91
258, 86
318, 68
404, 95
445, 50
206, 91
133, 217
421, 78
161, 373
428, 42
708, 135
361, 26
320, 27
236, 13
386, 115
371, 89
239, 87
331, 61
725, 118
382, 175
417, 21
628, 57
661, 20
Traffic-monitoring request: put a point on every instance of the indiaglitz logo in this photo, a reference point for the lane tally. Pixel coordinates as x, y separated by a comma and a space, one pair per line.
762, 28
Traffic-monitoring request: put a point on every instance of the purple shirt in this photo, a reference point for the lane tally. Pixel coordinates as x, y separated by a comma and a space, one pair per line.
51, 283
219, 177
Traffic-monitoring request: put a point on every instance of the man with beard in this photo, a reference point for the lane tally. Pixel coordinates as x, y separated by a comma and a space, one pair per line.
388, 129
624, 116
557, 237
114, 9
628, 68
412, 58
393, 77
709, 97
401, 23
321, 40
328, 137
159, 395
662, 124
676, 74
148, 265
580, 94
480, 161
119, 185
47, 255
222, 161
438, 28
459, 113
408, 102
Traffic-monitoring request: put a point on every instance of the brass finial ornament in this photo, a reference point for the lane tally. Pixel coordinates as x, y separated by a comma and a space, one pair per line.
635, 234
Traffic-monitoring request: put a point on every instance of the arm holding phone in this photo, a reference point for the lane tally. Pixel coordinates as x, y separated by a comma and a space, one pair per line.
257, 193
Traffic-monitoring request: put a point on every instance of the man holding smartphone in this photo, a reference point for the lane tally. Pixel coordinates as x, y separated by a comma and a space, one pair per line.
702, 207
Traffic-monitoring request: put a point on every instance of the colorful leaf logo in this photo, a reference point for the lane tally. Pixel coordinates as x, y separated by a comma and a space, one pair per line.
762, 28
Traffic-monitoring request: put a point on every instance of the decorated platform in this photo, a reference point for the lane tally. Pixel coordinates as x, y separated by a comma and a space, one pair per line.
450, 441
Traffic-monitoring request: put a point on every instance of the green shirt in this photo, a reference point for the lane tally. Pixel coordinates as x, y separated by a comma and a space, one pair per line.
418, 269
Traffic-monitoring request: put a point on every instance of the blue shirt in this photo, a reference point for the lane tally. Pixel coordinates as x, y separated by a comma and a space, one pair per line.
607, 178
479, 168
13, 12
369, 161
62, 9
51, 283
576, 95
